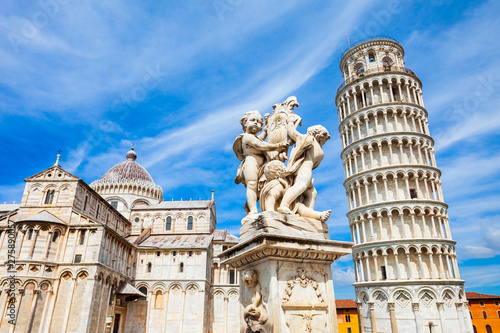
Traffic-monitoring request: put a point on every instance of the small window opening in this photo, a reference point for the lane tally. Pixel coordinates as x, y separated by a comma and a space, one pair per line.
413, 193
497, 303
49, 197
488, 329
78, 258
82, 237
481, 303
158, 253
54, 237
190, 223
181, 267
485, 315
174, 253
169, 223
149, 267
347, 318
137, 219
349, 330
30, 234
384, 273
190, 253
85, 203
114, 204
232, 276
97, 212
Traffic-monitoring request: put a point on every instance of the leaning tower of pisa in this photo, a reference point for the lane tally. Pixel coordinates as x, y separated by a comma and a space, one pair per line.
407, 277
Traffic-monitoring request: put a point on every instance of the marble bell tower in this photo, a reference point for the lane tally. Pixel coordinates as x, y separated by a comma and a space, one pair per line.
407, 277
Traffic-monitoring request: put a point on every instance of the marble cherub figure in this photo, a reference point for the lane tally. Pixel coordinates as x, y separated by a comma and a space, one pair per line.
250, 149
305, 156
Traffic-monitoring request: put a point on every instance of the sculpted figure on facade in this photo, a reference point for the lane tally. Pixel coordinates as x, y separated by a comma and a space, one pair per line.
255, 314
287, 189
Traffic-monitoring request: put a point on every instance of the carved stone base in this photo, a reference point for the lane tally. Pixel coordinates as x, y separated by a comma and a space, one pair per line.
282, 224
287, 283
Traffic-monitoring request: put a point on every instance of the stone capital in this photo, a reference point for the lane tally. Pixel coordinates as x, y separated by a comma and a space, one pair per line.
392, 306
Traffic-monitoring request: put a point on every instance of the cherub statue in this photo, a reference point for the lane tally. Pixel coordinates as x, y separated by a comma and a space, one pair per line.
305, 156
250, 148
275, 187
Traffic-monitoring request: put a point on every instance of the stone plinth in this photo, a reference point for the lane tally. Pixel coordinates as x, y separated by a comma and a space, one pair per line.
286, 282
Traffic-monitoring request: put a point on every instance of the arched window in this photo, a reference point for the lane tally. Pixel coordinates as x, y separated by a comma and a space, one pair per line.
485, 315
30, 234
114, 204
143, 290
149, 267
498, 314
54, 236
49, 197
85, 203
169, 223
181, 267
190, 223
474, 328
347, 318
488, 329
371, 56
158, 300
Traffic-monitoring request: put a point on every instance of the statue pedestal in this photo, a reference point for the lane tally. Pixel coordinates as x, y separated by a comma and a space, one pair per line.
286, 282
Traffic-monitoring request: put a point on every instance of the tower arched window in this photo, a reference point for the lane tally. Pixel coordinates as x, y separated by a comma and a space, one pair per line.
169, 223
49, 197
190, 223
181, 267
371, 56
30, 234
54, 237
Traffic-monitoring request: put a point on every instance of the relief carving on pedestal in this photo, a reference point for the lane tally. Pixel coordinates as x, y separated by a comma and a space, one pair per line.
304, 305
255, 314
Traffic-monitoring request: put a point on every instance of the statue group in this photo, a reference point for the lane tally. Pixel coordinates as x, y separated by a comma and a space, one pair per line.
286, 189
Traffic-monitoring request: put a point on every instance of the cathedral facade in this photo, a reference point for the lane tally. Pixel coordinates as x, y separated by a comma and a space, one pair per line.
112, 256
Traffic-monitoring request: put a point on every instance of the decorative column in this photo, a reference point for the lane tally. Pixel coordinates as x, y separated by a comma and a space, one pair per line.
372, 317
392, 314
416, 312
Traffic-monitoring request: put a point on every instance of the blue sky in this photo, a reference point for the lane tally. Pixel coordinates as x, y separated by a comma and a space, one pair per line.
92, 77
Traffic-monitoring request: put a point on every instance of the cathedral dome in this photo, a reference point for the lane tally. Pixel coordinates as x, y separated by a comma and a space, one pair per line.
128, 171
128, 178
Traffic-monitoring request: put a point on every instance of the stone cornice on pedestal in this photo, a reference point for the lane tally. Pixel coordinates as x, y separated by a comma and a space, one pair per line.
287, 248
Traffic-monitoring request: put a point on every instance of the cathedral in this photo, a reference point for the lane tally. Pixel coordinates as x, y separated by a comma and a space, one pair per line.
112, 256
